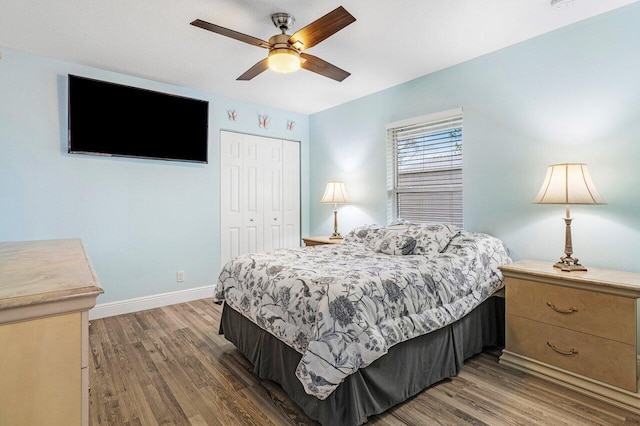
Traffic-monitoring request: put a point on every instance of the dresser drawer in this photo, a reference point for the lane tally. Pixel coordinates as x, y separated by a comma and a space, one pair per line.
596, 357
604, 315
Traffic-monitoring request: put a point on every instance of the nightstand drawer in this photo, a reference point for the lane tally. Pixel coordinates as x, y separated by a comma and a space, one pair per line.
591, 356
603, 315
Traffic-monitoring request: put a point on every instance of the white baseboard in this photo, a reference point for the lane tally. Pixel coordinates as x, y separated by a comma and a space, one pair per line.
110, 309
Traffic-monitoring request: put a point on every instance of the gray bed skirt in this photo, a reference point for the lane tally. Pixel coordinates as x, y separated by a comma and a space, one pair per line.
407, 368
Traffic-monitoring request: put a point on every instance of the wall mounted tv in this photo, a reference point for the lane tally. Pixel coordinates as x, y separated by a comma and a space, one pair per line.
115, 120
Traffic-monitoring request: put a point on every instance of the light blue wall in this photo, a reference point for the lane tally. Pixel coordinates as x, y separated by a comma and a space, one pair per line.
572, 95
140, 220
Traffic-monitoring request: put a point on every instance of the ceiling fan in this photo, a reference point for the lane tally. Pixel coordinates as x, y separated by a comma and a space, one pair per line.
285, 51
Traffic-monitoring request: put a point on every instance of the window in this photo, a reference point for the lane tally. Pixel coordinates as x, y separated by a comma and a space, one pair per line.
424, 168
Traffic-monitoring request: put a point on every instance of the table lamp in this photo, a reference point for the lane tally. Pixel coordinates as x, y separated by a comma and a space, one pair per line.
336, 194
568, 183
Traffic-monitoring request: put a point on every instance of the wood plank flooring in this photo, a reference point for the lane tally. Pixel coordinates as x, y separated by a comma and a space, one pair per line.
169, 366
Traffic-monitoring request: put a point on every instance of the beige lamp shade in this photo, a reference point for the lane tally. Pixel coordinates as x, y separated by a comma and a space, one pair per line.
334, 193
568, 183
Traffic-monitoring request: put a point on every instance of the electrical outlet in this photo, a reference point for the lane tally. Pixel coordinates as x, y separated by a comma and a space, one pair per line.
180, 276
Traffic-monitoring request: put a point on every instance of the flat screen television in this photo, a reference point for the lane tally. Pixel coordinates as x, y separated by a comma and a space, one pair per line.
116, 120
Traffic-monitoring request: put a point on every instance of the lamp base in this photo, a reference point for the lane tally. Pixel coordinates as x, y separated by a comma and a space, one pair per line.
569, 264
335, 236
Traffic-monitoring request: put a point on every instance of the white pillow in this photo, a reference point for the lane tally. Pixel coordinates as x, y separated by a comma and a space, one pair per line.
368, 235
396, 243
431, 238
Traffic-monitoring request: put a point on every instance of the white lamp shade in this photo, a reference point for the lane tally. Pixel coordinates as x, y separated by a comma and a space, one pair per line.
334, 193
568, 183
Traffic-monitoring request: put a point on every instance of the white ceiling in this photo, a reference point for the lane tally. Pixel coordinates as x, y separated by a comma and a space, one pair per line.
391, 42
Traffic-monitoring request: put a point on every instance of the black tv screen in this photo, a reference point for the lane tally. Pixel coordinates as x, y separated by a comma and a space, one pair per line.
117, 120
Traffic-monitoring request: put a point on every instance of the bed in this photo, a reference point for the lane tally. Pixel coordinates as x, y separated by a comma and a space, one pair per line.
349, 330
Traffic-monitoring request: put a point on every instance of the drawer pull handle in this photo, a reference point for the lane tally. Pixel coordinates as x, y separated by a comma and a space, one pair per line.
561, 311
569, 352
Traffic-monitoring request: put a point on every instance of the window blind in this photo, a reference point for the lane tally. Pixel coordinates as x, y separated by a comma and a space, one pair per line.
424, 176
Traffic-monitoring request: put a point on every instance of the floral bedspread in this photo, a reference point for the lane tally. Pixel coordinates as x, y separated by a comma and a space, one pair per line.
342, 306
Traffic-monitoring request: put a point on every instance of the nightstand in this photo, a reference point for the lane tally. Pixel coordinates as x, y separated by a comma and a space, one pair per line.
318, 241
577, 329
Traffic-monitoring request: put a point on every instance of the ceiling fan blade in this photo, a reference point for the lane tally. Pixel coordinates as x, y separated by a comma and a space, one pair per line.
230, 33
261, 66
323, 28
322, 67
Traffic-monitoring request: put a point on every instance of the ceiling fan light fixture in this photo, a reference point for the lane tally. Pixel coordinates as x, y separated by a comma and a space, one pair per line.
284, 60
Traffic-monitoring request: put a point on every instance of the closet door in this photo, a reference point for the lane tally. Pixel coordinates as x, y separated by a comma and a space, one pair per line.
291, 193
259, 194
241, 211
273, 203
231, 209
252, 189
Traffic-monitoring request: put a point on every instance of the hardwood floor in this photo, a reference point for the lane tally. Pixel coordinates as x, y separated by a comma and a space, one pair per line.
169, 366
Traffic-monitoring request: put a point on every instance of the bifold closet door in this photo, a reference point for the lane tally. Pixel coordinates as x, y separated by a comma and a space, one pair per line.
291, 193
241, 190
260, 194
272, 195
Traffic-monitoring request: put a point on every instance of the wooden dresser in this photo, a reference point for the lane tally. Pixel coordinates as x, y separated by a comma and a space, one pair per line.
46, 291
578, 329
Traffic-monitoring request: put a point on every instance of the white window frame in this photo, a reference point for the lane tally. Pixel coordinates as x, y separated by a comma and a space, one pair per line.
426, 124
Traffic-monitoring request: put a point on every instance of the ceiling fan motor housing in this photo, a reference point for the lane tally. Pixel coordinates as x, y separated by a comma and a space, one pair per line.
283, 21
